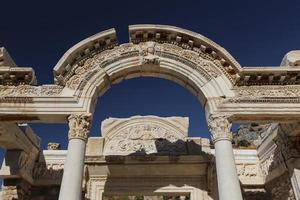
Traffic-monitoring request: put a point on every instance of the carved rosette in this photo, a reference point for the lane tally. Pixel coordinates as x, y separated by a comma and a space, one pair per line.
79, 126
219, 128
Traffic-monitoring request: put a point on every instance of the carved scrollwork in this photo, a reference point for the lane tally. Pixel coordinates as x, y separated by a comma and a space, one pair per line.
145, 138
149, 52
191, 56
79, 126
219, 127
29, 91
263, 94
268, 91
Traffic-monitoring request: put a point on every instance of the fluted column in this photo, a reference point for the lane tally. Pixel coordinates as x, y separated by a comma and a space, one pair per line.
228, 181
79, 128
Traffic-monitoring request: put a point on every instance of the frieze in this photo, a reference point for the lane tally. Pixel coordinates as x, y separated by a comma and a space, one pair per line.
227, 64
265, 91
16, 100
145, 138
263, 100
9, 92
201, 62
149, 52
265, 94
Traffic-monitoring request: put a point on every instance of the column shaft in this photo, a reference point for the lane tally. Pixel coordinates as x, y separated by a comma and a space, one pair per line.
228, 181
71, 186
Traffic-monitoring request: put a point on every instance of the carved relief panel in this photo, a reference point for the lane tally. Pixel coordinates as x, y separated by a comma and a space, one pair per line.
145, 135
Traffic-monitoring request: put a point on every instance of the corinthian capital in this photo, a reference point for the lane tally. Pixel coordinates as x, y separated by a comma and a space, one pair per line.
219, 127
79, 126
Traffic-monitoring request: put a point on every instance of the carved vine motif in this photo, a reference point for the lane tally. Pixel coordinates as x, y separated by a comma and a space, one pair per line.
275, 91
264, 94
219, 127
29, 91
79, 125
192, 56
149, 53
145, 138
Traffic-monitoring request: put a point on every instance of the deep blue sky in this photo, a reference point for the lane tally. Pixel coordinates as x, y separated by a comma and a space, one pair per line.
37, 33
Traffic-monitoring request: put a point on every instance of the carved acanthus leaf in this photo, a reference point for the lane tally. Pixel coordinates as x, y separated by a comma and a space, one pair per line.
219, 127
79, 126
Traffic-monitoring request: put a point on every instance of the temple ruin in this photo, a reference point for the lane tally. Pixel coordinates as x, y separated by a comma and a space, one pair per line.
150, 157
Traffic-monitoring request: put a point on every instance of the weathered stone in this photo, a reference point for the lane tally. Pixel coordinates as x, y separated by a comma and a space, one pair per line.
145, 135
249, 135
5, 59
292, 59
150, 154
53, 146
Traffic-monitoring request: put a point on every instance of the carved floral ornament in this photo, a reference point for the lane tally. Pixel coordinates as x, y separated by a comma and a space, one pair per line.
30, 91
149, 53
219, 127
79, 126
268, 91
263, 94
146, 138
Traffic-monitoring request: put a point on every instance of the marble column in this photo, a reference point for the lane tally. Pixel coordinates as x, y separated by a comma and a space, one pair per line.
295, 180
71, 186
228, 181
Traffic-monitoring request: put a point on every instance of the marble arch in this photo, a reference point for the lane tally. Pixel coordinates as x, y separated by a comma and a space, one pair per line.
90, 67
187, 58
229, 92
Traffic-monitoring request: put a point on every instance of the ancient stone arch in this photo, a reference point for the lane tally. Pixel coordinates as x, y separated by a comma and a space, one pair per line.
189, 59
229, 92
